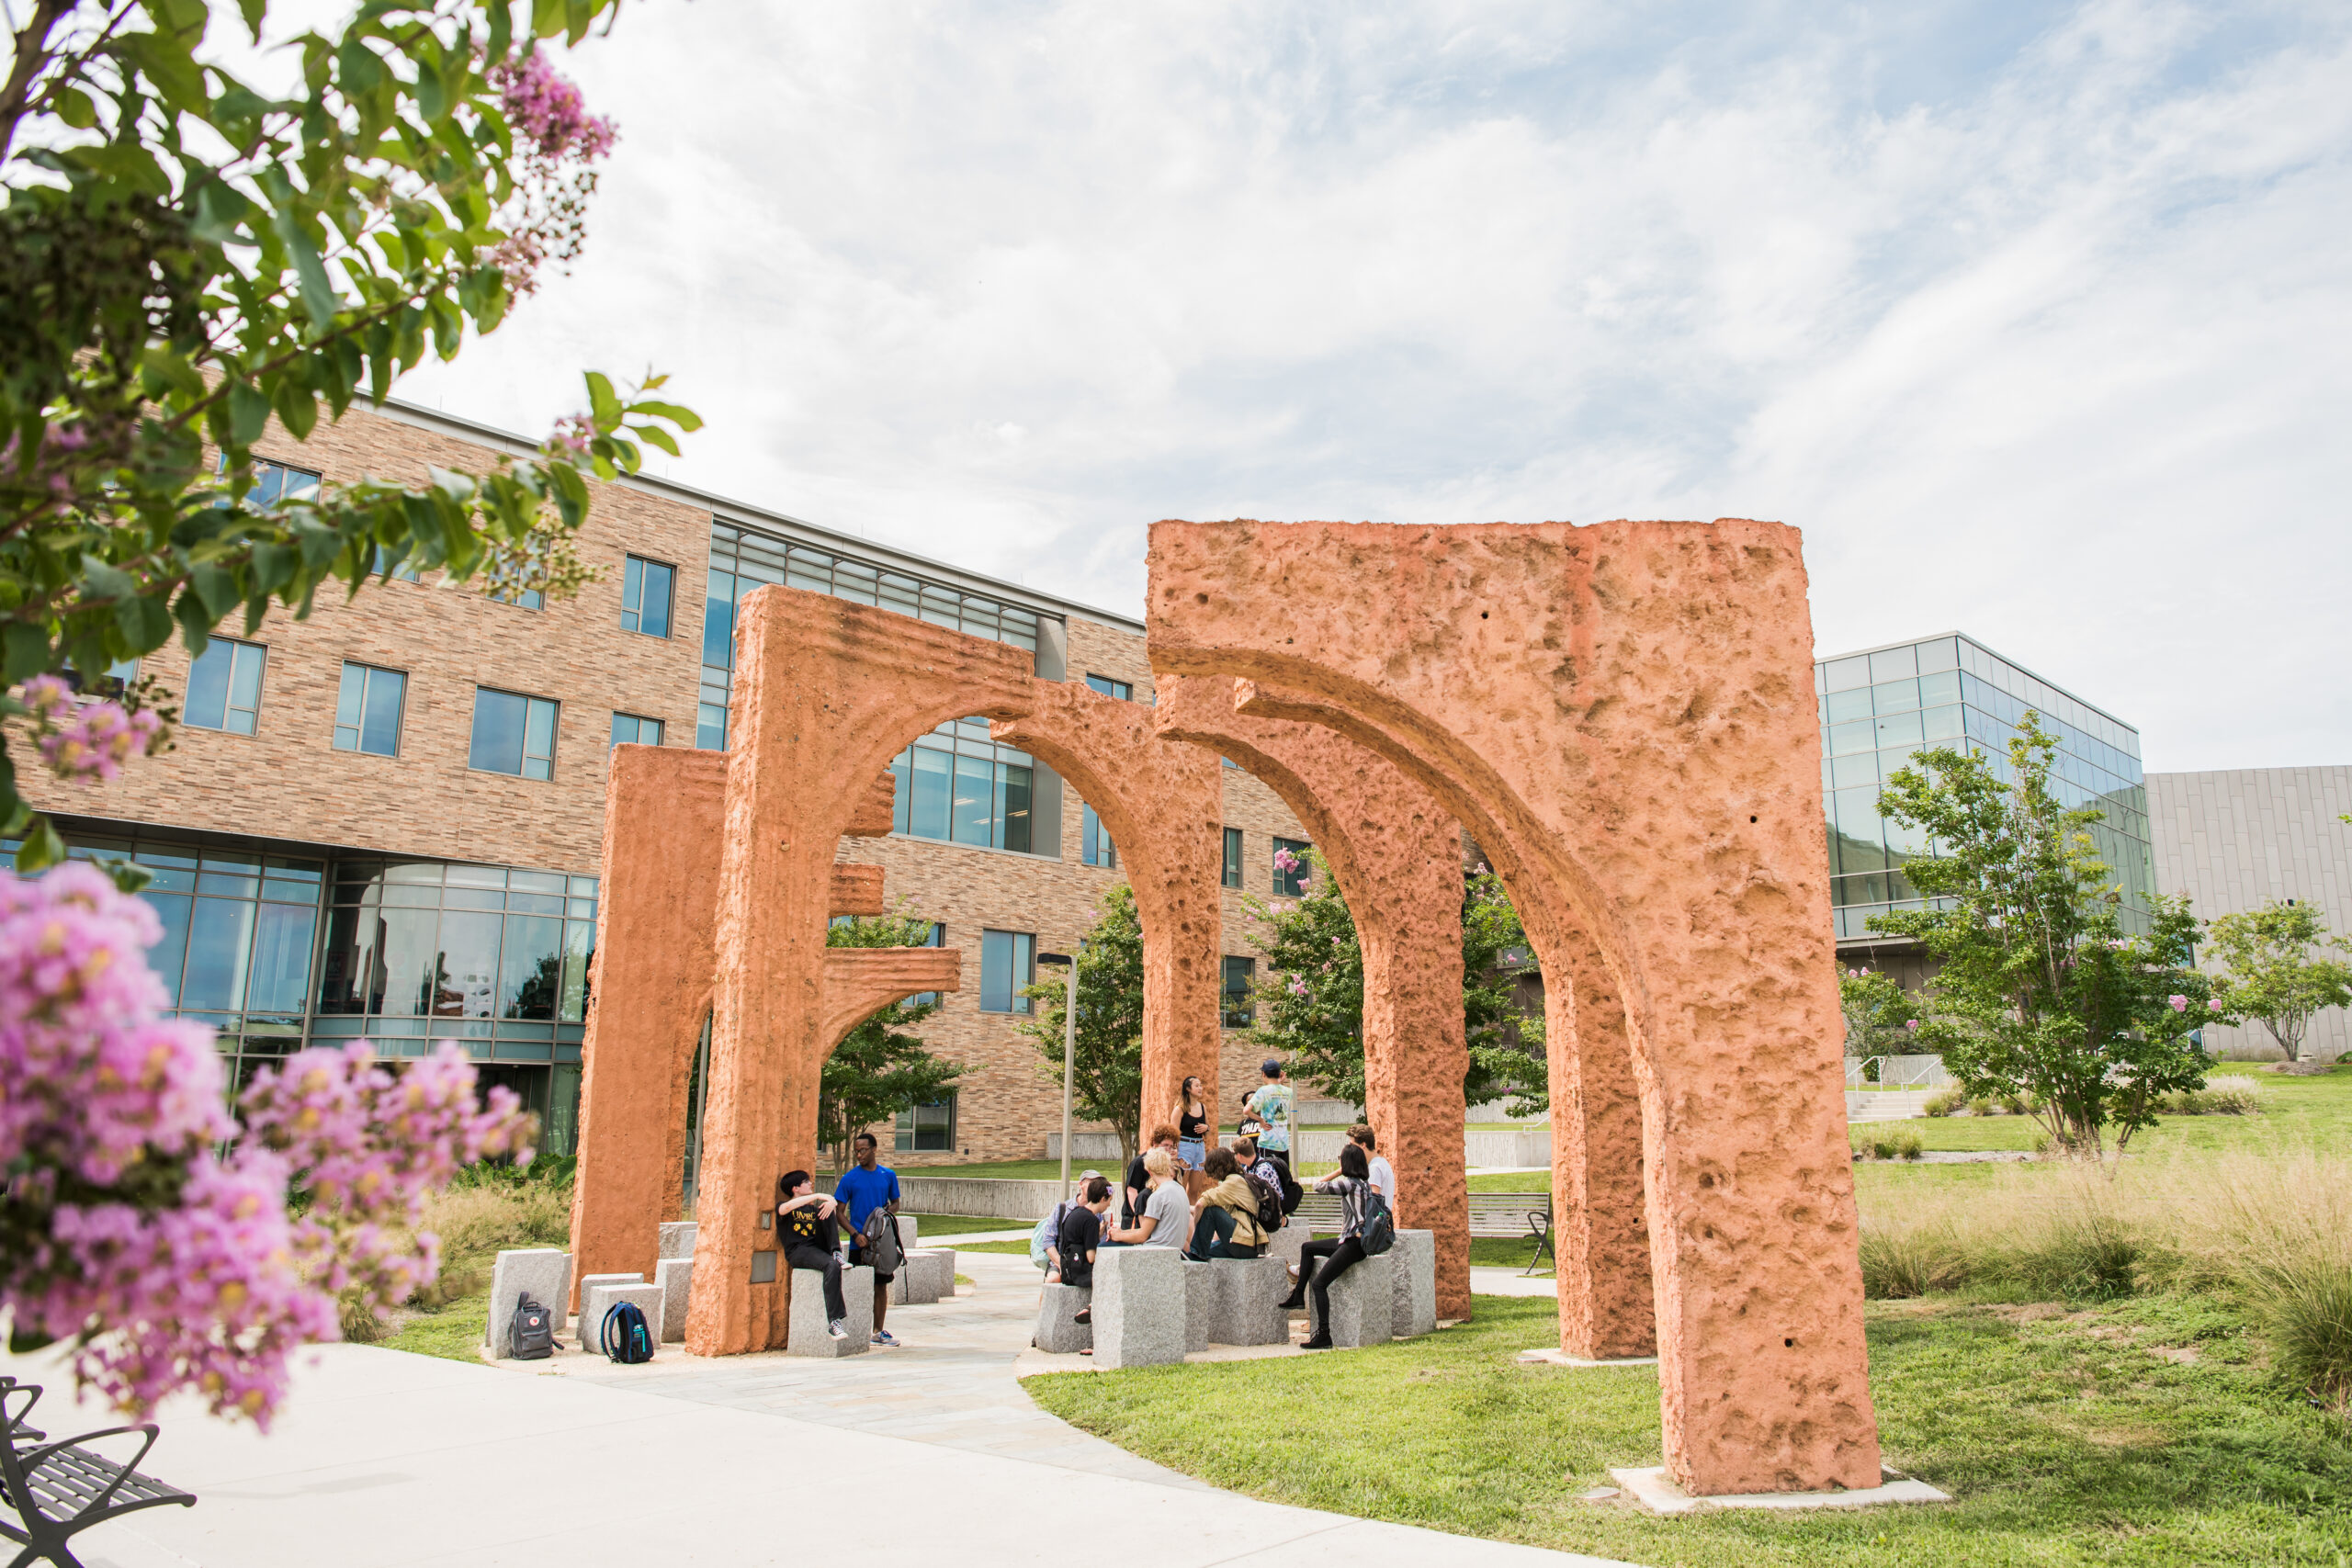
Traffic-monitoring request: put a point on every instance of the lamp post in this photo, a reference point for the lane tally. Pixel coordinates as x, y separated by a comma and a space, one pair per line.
1069, 1053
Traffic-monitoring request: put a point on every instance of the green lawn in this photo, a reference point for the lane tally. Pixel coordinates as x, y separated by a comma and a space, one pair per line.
930, 1226
2317, 1108
2063, 1435
453, 1332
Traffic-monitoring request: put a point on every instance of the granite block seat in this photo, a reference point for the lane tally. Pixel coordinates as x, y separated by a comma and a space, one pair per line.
675, 1275
947, 1256
1200, 1305
678, 1238
1285, 1243
1413, 1279
1249, 1293
542, 1273
584, 1327
806, 1334
597, 1301
917, 1281
1363, 1301
1139, 1313
1059, 1330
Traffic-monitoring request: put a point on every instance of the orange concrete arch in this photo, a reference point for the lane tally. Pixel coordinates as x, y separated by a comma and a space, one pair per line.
1396, 856
1164, 806
1623, 714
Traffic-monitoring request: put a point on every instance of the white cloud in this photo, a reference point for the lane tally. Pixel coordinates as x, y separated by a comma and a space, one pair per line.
2033, 321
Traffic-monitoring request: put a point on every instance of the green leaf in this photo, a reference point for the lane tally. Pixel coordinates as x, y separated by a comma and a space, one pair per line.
603, 406
359, 68
273, 567
654, 436
101, 581
42, 848
248, 413
685, 419
318, 291
27, 650
196, 622
129, 876
74, 106
215, 588
297, 407
255, 10
146, 624
502, 30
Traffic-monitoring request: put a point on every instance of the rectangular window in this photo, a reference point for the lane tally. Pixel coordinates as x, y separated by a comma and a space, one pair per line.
929, 1128
513, 734
1240, 974
224, 686
955, 783
1095, 847
368, 712
645, 598
1232, 877
636, 730
938, 938
274, 482
1123, 690
1008, 966
522, 598
1291, 884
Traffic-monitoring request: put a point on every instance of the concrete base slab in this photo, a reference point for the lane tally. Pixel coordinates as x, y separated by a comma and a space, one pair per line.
1658, 1492
1558, 1358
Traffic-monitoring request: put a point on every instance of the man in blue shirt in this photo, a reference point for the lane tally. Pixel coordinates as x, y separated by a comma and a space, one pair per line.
867, 1187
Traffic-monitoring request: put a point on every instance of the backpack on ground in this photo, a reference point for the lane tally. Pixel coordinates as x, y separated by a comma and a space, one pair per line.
1379, 1231
627, 1338
530, 1337
1270, 1202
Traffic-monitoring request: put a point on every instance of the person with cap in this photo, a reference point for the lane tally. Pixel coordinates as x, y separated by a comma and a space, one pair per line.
1274, 1104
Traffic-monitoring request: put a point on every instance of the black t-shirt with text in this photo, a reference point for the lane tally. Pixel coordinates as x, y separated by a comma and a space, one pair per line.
800, 1227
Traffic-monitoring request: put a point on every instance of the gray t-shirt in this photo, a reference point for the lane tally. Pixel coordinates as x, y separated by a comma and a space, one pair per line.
1167, 1205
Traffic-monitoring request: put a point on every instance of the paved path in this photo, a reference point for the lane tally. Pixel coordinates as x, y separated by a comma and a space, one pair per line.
384, 1459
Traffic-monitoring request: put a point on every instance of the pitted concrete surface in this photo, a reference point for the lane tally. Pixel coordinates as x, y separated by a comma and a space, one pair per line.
381, 1457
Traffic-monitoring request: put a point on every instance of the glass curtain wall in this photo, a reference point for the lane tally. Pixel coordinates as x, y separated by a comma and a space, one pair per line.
1877, 709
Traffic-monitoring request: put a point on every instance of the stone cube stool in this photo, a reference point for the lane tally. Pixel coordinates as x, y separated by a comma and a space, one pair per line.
675, 1275
1139, 1306
917, 1281
909, 1228
598, 1299
1200, 1305
1286, 1242
1413, 1274
678, 1238
584, 1330
542, 1273
947, 1256
1249, 1293
1059, 1330
805, 1336
1363, 1301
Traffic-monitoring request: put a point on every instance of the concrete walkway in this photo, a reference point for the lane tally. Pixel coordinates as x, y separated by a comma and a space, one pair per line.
383, 1458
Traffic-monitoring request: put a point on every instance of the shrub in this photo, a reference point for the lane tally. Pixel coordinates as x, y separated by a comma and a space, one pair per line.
1902, 1143
1982, 1106
1949, 1101
2229, 1095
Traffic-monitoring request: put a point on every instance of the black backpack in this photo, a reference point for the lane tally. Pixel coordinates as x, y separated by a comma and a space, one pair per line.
1379, 1232
531, 1335
626, 1338
1270, 1202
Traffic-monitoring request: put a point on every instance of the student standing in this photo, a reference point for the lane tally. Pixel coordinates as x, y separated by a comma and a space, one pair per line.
1275, 1102
1192, 1124
1384, 1175
862, 1189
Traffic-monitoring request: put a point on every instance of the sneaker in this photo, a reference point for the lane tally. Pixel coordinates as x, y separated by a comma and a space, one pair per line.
884, 1337
836, 1330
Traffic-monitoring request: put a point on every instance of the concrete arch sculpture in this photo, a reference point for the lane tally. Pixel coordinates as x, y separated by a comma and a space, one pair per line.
1623, 716
1396, 854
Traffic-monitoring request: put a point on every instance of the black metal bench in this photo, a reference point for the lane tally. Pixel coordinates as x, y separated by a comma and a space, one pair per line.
60, 1489
1524, 1215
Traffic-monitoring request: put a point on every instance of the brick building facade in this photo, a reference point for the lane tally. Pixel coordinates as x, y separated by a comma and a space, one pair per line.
318, 884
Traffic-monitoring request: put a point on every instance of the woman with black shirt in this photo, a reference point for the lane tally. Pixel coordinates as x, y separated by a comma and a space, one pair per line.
1192, 1124
810, 1238
1352, 1184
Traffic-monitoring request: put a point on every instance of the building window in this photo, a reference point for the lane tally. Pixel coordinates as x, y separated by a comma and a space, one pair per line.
1232, 874
955, 784
938, 938
1095, 847
513, 734
1123, 690
521, 598
1240, 974
636, 731
928, 1129
1008, 966
224, 686
645, 596
1291, 884
274, 482
368, 712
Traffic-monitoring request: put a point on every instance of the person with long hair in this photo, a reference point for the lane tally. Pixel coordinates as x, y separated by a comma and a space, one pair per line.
1353, 1184
1191, 1123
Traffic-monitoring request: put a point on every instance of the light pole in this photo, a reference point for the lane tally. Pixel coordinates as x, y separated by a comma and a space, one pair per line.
1069, 1053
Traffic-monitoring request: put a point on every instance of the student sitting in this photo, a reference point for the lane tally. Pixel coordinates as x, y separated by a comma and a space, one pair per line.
1044, 1242
1080, 1235
1225, 1221
1164, 1219
1354, 1183
804, 1220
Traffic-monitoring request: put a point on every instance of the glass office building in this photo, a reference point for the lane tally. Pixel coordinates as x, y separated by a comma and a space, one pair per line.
1880, 706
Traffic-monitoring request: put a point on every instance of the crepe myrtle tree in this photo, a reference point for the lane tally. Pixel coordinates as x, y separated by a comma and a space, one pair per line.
2042, 995
186, 255
2278, 973
878, 1070
1881, 1016
1106, 1080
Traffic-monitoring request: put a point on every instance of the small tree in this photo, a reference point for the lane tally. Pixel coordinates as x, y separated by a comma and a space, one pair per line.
2273, 975
1107, 1084
1882, 1018
876, 1071
2041, 995
1310, 1006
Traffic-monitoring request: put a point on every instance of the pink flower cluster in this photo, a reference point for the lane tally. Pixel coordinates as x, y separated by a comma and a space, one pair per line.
83, 741
121, 1229
1298, 986
572, 434
1286, 862
549, 111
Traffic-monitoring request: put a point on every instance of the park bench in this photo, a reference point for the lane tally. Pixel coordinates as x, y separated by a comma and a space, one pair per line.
59, 1490
1526, 1216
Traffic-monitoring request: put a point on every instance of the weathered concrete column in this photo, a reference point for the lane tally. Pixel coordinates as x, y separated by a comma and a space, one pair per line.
1623, 716
1164, 805
1396, 853
825, 692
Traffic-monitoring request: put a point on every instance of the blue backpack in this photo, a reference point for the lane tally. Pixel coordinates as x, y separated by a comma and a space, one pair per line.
625, 1337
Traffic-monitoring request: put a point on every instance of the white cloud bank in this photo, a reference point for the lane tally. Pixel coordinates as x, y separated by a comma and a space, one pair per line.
2035, 322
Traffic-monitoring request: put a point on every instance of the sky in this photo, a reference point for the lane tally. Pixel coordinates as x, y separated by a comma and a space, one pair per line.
2035, 319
